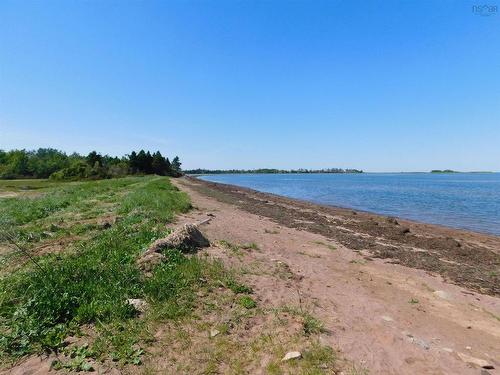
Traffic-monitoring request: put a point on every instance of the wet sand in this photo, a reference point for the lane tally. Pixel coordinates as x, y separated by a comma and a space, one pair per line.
465, 258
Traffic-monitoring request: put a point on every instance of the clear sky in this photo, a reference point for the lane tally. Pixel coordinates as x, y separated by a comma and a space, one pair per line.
375, 85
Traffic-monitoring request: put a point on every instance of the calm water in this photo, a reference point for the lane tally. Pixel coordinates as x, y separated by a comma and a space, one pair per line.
462, 200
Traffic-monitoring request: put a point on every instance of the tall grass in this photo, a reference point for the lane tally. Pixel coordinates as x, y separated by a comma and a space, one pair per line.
40, 307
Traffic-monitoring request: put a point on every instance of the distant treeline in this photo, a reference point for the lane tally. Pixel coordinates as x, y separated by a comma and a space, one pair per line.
443, 171
55, 164
270, 170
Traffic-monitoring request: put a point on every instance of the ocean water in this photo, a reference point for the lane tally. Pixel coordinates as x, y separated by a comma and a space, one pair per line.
459, 200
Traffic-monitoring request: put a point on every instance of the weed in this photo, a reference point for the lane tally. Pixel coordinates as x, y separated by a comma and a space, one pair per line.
413, 301
312, 325
250, 246
247, 302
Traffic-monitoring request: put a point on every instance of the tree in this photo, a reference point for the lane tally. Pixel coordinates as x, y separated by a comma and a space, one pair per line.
176, 166
133, 162
159, 164
93, 158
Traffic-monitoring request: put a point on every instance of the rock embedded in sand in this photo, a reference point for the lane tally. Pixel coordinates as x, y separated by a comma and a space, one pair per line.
186, 238
441, 294
475, 361
291, 355
214, 332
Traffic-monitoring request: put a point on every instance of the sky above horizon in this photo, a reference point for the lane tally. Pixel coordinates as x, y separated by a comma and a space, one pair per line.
379, 86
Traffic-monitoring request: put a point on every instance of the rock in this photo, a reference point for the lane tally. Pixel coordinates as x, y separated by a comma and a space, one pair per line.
138, 304
186, 238
468, 347
387, 318
149, 260
214, 332
404, 230
475, 361
449, 350
291, 355
107, 222
441, 294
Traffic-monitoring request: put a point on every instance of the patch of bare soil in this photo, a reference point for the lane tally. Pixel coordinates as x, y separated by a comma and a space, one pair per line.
465, 258
384, 317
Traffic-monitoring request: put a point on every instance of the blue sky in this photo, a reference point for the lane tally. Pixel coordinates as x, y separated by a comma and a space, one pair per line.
381, 86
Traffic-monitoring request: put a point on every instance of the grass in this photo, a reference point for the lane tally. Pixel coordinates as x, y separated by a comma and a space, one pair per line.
88, 284
247, 302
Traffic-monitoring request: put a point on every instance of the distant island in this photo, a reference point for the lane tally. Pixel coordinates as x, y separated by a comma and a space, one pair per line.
270, 171
452, 171
443, 171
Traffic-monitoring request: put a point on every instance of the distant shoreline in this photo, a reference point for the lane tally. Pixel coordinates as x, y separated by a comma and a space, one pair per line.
190, 172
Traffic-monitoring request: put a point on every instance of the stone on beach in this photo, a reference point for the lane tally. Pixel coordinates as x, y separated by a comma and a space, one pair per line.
186, 238
291, 355
475, 361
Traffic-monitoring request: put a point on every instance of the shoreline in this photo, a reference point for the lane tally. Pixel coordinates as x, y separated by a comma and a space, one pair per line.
381, 317
358, 210
466, 258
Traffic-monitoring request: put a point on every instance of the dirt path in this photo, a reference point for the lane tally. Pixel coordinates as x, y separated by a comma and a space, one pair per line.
387, 318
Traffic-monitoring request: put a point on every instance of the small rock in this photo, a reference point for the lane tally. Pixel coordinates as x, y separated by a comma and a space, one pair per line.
475, 361
404, 230
449, 350
441, 294
468, 347
422, 343
387, 318
138, 304
214, 332
291, 355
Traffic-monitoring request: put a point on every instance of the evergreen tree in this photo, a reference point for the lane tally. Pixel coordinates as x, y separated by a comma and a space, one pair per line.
176, 166
93, 157
159, 164
133, 162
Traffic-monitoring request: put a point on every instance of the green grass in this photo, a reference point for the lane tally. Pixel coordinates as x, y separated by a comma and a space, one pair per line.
88, 284
247, 302
26, 184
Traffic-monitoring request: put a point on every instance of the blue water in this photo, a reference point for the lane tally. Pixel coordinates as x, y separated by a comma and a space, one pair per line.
460, 200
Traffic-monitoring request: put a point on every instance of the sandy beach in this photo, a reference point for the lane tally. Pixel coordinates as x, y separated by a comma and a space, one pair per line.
396, 297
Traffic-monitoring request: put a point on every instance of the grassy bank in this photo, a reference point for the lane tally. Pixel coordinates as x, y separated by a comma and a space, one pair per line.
90, 272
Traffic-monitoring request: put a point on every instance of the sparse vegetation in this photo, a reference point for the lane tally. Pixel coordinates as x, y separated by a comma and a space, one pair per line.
250, 246
331, 247
247, 302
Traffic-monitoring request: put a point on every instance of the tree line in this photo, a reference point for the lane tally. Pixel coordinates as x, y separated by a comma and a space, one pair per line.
57, 165
271, 170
